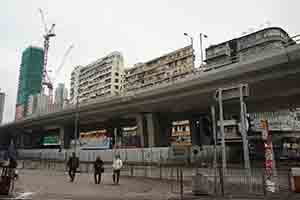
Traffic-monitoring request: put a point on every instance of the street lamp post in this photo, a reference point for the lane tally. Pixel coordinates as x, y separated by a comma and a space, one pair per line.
192, 40
192, 43
201, 47
76, 128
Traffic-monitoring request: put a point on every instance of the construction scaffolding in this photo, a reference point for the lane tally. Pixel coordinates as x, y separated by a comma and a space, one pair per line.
30, 76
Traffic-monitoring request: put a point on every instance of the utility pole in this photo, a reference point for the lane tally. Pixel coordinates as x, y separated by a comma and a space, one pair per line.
76, 125
192, 43
227, 94
116, 138
244, 132
215, 164
201, 47
220, 100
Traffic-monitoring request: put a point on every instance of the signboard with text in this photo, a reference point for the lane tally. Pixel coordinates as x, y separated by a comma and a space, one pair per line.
98, 139
181, 133
50, 140
283, 120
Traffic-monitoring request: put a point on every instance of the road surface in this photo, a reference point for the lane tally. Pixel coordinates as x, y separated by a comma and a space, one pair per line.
54, 185
48, 185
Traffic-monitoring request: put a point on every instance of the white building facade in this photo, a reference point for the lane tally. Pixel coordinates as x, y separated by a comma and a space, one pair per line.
75, 84
101, 78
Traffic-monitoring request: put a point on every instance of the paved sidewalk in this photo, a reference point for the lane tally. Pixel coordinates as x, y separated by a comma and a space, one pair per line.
53, 185
46, 185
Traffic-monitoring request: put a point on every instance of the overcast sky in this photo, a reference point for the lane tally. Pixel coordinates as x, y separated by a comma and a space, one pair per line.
140, 29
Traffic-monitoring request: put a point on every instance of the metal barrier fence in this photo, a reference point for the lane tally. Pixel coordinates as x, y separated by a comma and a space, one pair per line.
184, 180
140, 155
127, 155
234, 183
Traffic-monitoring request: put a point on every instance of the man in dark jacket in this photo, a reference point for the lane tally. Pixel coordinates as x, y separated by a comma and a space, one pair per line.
98, 169
73, 164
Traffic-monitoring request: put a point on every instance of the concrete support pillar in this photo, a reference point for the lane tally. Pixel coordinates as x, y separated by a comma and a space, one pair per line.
21, 140
62, 137
164, 131
158, 128
141, 129
151, 129
118, 135
67, 133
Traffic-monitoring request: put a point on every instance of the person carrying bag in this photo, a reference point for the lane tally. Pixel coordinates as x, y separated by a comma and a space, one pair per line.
98, 169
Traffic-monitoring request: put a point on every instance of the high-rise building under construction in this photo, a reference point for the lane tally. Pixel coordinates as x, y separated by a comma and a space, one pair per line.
30, 78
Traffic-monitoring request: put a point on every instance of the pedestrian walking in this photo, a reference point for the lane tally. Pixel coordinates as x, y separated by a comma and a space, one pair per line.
98, 169
73, 164
117, 165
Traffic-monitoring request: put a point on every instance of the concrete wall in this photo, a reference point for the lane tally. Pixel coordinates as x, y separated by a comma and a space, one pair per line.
128, 155
163, 155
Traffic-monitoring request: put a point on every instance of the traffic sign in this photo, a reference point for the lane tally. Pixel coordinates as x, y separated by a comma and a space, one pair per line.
232, 92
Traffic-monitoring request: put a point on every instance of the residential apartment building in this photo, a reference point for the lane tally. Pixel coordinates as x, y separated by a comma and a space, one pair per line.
164, 69
247, 47
75, 75
101, 78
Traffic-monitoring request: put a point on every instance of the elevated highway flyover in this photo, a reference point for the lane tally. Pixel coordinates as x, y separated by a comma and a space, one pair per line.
273, 79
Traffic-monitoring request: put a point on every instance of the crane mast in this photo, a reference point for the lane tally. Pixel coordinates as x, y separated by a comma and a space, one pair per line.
45, 79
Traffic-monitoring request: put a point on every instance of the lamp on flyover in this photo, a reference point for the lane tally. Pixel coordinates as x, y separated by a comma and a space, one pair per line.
192, 43
191, 38
201, 48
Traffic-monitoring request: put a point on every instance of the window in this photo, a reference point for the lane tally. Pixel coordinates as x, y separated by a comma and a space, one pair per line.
298, 116
116, 80
107, 80
117, 74
116, 87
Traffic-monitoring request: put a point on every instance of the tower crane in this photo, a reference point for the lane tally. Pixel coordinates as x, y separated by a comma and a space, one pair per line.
48, 34
63, 61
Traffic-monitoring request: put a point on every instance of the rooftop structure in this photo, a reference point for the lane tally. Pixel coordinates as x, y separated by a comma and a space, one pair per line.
247, 47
